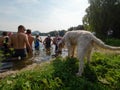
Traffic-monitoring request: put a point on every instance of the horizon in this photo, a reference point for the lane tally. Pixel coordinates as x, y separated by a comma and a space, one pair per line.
41, 15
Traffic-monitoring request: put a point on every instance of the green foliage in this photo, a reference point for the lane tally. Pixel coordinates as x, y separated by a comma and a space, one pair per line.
4, 55
65, 69
1, 56
107, 68
102, 16
79, 27
38, 79
90, 74
112, 41
103, 73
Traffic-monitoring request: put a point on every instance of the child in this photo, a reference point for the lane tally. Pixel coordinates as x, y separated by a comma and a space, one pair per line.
37, 44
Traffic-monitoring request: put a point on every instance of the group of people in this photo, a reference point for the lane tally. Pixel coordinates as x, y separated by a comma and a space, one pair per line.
18, 42
21, 43
48, 41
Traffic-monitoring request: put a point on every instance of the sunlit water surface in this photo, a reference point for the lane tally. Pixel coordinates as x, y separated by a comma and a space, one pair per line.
5, 66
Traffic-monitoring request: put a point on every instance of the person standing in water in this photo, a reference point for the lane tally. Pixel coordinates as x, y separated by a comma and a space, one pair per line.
30, 39
37, 44
56, 39
19, 42
47, 43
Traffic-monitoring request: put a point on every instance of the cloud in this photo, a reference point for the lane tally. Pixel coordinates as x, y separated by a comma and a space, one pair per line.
26, 1
43, 15
67, 14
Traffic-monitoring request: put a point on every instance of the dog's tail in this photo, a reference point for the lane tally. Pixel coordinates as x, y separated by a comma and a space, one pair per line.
102, 46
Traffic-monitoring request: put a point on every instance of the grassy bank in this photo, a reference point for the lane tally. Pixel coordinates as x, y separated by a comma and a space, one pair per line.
103, 73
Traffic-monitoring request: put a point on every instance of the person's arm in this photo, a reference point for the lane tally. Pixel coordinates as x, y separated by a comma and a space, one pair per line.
40, 39
28, 44
54, 41
10, 42
51, 41
44, 41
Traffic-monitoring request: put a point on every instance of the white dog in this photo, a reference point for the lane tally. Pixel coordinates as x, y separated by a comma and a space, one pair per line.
83, 42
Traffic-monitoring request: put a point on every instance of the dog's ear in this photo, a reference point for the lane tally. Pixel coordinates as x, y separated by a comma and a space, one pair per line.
59, 43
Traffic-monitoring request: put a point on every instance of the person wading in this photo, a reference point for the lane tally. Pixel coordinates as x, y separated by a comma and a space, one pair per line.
56, 39
30, 39
37, 44
47, 43
19, 41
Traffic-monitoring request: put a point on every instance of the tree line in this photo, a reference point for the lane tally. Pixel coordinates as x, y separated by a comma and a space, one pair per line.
102, 17
61, 32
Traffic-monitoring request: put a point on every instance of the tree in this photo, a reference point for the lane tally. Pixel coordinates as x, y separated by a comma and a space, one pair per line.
79, 27
61, 32
102, 16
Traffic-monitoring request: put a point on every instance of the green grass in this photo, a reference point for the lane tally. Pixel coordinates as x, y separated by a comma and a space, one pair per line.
103, 73
112, 41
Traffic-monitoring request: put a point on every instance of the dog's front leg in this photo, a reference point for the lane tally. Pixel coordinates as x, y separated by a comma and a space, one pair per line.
89, 54
81, 54
69, 49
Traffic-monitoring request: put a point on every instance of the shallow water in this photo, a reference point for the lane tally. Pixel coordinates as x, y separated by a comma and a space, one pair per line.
39, 58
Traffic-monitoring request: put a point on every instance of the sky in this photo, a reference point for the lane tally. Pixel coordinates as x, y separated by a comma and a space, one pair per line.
41, 15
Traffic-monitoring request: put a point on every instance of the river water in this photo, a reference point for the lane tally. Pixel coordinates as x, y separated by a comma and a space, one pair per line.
13, 65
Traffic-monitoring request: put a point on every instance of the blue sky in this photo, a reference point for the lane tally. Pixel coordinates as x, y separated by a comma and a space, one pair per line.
42, 15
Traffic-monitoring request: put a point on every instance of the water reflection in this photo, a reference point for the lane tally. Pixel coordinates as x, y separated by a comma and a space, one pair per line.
19, 64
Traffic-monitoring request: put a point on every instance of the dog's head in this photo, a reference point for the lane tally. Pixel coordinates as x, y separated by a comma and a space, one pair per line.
61, 45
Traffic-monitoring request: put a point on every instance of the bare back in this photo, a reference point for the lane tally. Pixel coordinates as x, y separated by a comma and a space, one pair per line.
30, 39
19, 41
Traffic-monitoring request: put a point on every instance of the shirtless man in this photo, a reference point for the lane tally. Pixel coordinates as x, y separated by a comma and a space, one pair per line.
30, 37
19, 41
